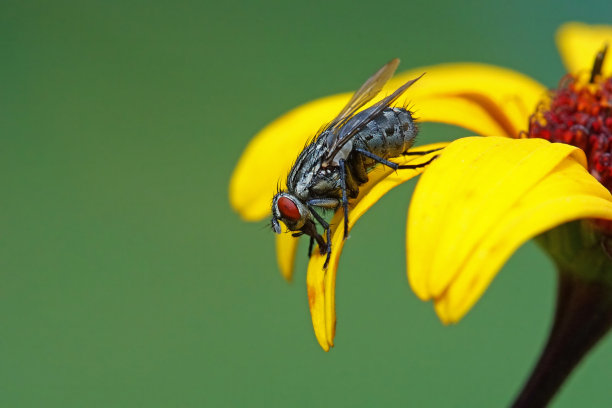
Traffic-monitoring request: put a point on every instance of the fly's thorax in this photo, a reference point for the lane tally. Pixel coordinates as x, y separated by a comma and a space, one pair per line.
305, 169
389, 134
290, 210
326, 183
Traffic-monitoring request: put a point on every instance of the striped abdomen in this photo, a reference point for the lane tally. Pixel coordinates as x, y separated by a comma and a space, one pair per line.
388, 135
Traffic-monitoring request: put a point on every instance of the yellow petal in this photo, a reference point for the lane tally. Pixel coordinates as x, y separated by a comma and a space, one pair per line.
480, 201
454, 110
321, 284
508, 97
579, 43
286, 246
543, 208
485, 99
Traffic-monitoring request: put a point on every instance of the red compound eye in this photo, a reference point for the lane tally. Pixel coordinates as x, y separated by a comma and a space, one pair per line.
288, 209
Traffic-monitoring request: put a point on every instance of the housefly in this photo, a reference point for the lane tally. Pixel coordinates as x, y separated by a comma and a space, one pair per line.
329, 171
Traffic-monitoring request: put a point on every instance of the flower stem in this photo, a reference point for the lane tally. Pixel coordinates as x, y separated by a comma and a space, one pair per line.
583, 316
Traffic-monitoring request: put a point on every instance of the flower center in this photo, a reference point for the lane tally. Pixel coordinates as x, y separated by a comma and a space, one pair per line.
579, 113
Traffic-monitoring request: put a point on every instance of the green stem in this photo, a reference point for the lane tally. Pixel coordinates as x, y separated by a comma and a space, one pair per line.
583, 316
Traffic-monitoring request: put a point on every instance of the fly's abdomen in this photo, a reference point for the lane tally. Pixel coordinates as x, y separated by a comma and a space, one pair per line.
388, 135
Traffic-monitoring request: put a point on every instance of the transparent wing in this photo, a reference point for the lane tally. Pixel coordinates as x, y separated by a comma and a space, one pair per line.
368, 90
346, 133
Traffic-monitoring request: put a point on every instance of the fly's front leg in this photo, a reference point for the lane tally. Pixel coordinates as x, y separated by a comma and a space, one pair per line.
325, 226
329, 203
310, 229
328, 237
310, 245
344, 199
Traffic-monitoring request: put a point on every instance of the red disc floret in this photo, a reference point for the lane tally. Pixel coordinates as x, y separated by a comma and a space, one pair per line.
288, 209
580, 114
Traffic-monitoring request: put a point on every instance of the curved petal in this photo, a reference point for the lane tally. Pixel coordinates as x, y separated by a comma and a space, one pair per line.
480, 201
454, 110
579, 43
484, 99
508, 97
321, 284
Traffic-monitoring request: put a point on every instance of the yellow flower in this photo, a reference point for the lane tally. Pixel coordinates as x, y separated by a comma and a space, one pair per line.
484, 197
484, 99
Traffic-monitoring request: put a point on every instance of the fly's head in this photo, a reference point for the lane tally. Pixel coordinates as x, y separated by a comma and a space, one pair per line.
290, 210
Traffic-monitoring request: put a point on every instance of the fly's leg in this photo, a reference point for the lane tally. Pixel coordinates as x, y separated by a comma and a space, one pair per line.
328, 236
344, 199
421, 153
379, 159
323, 247
392, 165
416, 166
310, 245
310, 229
330, 203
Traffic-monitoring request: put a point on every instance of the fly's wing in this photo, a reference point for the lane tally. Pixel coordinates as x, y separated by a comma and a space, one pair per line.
368, 90
343, 135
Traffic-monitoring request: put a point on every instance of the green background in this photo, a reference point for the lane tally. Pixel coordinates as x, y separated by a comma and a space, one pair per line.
127, 281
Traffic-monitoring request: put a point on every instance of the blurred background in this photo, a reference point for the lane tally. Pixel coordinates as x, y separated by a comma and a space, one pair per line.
127, 281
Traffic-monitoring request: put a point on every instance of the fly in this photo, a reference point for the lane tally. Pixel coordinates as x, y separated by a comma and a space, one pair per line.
329, 171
